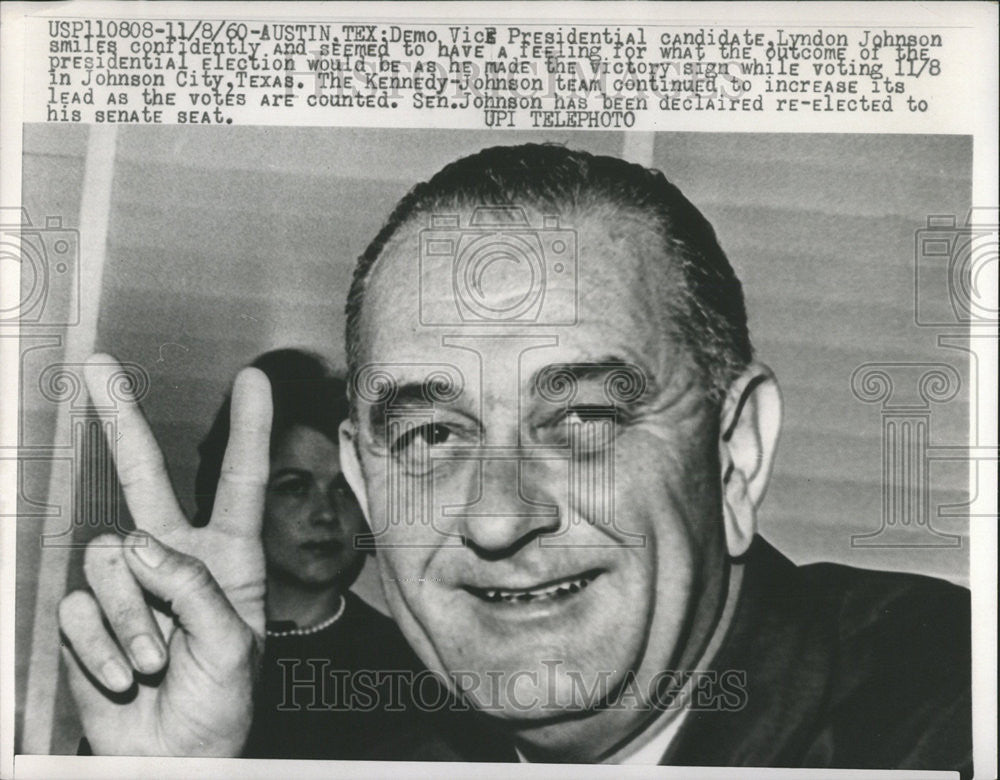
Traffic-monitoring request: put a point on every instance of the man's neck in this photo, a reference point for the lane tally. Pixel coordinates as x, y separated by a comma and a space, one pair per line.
650, 744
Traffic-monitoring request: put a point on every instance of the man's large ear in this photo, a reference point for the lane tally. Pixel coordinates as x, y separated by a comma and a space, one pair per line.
748, 440
350, 464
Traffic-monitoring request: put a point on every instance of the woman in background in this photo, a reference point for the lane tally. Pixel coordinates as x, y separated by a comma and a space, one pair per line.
326, 650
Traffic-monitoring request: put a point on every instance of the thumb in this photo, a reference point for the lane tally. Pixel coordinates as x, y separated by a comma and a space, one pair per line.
216, 634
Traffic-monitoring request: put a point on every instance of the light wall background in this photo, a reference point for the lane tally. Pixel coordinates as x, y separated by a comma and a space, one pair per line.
225, 243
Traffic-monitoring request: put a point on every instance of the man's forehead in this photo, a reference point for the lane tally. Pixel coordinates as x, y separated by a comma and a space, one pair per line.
616, 280
528, 367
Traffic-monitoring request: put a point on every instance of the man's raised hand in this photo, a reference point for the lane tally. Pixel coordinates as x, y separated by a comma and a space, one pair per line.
163, 648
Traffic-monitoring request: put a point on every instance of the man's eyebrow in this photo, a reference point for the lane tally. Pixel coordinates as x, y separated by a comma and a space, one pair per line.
408, 394
599, 369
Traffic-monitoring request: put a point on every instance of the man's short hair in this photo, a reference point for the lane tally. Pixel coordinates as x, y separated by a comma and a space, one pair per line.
710, 315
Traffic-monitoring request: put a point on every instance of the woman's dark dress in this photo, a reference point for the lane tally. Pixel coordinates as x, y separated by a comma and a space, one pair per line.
354, 690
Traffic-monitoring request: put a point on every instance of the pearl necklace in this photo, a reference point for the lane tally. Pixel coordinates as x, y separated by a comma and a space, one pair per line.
312, 629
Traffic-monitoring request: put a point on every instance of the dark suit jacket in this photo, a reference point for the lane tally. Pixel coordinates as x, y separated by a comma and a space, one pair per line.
843, 667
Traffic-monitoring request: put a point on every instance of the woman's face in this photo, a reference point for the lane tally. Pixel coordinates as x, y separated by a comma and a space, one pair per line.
310, 515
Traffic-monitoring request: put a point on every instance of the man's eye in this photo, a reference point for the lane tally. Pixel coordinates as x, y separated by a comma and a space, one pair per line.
429, 434
586, 428
586, 414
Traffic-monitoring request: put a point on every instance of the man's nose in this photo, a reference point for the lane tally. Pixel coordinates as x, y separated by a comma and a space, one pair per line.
503, 513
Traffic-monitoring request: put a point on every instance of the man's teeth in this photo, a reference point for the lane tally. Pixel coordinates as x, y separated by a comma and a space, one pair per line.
550, 592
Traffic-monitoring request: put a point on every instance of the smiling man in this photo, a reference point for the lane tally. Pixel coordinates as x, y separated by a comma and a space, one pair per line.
560, 438
563, 438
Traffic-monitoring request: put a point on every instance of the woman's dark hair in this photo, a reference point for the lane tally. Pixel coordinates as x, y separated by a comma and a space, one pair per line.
305, 392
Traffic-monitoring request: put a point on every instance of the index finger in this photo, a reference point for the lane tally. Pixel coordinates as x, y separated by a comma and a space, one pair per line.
142, 471
239, 498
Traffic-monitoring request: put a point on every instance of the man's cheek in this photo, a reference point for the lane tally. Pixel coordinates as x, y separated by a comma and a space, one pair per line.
659, 458
382, 489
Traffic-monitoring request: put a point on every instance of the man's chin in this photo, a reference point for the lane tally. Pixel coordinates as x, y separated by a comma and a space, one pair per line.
537, 691
528, 709
578, 719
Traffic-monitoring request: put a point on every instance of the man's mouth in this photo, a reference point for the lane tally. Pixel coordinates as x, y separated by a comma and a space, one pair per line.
556, 589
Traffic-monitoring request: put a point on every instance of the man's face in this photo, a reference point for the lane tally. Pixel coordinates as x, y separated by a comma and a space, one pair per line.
541, 541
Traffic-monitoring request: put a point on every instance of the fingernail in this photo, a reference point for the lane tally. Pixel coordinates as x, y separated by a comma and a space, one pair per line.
116, 676
147, 549
145, 653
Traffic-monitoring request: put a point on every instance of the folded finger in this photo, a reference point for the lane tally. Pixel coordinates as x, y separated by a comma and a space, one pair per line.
215, 632
121, 600
139, 462
239, 498
81, 622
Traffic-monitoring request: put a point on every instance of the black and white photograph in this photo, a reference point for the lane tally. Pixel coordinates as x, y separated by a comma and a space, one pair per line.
508, 447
